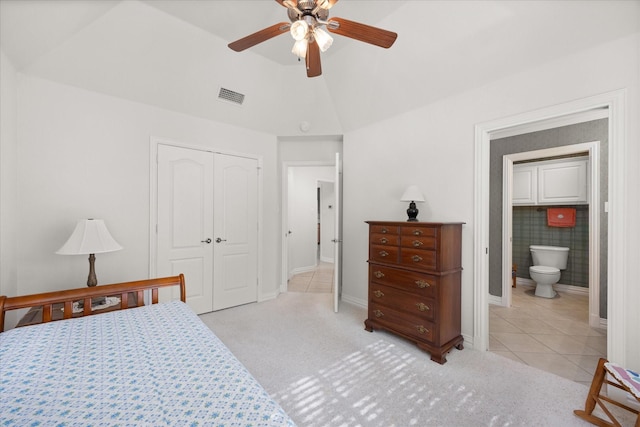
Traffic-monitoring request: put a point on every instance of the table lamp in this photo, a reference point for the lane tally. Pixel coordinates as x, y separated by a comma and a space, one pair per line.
90, 237
412, 194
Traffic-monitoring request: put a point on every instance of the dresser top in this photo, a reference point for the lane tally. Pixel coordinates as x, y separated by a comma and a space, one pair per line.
414, 223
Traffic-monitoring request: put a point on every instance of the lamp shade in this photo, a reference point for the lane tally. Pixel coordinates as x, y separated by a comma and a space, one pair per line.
412, 194
89, 237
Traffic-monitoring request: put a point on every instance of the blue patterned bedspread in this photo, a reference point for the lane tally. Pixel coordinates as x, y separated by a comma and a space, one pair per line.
156, 365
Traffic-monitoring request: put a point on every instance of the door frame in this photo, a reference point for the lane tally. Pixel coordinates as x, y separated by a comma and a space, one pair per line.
153, 201
593, 148
615, 104
284, 209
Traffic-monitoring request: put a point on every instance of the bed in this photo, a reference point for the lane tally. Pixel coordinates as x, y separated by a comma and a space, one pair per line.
137, 364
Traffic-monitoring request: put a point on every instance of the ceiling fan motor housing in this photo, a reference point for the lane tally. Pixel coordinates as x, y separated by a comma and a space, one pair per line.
307, 7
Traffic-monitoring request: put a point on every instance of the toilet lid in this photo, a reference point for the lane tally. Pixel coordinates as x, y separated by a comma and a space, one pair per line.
543, 269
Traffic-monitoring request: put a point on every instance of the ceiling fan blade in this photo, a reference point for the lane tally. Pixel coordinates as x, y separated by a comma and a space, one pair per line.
362, 32
312, 60
259, 36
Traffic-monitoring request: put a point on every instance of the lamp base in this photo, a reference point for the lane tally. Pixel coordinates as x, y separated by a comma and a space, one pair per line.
412, 212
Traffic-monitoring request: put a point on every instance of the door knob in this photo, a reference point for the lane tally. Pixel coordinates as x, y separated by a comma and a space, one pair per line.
206, 241
218, 240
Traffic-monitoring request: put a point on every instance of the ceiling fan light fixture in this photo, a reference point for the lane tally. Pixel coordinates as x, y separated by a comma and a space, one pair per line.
300, 48
299, 30
323, 39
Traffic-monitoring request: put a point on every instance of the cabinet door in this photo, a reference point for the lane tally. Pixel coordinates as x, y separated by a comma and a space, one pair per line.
563, 183
525, 185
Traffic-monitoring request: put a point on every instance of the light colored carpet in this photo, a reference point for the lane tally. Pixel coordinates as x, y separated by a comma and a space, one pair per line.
325, 370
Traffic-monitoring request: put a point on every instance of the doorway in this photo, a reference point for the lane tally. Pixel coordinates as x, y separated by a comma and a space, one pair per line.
613, 103
311, 221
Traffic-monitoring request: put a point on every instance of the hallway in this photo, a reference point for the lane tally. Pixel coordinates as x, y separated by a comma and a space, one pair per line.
319, 280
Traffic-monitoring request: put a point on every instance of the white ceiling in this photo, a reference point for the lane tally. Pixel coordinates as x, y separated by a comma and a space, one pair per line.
173, 53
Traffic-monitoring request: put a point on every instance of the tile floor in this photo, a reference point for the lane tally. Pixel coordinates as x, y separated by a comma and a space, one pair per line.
319, 280
550, 334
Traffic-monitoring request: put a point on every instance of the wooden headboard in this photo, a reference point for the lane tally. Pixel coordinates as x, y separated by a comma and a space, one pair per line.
67, 297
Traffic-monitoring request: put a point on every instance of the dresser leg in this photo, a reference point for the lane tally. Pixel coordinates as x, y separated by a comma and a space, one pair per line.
367, 326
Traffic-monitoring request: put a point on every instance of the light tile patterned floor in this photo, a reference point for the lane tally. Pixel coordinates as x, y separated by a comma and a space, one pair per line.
319, 280
550, 334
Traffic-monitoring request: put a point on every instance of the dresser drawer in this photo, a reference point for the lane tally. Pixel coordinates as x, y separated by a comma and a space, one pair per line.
408, 230
383, 229
384, 239
409, 281
413, 326
389, 254
418, 258
402, 301
418, 242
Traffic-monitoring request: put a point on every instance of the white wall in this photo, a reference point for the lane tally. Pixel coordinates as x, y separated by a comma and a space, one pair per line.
433, 147
82, 155
8, 181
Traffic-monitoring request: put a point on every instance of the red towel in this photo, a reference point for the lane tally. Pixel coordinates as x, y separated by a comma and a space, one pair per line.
561, 217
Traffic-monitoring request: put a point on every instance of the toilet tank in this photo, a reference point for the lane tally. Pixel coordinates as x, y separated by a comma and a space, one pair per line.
550, 256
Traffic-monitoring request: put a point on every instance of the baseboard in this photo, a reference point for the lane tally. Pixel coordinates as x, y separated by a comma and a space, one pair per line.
495, 300
326, 259
301, 270
354, 301
268, 296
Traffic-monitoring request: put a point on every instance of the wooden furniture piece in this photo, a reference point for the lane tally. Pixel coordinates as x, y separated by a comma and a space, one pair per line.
595, 395
49, 304
414, 283
34, 315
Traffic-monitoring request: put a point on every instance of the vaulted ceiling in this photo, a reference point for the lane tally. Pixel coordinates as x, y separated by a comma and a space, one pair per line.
173, 53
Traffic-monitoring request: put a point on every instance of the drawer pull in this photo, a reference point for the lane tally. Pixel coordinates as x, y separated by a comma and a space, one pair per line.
417, 243
384, 230
422, 306
417, 232
379, 274
416, 258
378, 293
421, 329
422, 284
383, 253
384, 240
378, 313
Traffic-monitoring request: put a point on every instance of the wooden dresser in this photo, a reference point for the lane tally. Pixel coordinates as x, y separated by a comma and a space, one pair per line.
414, 283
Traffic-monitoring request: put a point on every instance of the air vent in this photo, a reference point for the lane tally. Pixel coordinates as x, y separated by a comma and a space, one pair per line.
230, 96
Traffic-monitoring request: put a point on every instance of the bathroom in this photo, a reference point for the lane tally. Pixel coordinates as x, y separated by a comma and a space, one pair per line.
562, 334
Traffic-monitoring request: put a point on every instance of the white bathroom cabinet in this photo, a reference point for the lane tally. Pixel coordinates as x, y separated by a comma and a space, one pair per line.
551, 182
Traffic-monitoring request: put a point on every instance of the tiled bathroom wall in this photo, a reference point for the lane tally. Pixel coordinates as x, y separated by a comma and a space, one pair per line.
530, 228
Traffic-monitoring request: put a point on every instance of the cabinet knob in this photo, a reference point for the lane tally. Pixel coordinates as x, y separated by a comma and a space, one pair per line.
416, 258
383, 253
422, 306
384, 230
378, 313
417, 232
378, 293
384, 240
422, 284
379, 274
421, 329
417, 243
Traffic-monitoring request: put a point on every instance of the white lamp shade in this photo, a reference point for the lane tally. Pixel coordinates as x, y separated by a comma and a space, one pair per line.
300, 48
323, 39
89, 237
299, 29
412, 194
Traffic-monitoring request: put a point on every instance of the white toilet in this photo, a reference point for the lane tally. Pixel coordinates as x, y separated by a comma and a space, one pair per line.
545, 271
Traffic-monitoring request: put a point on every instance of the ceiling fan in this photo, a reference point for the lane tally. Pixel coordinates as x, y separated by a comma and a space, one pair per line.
307, 19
